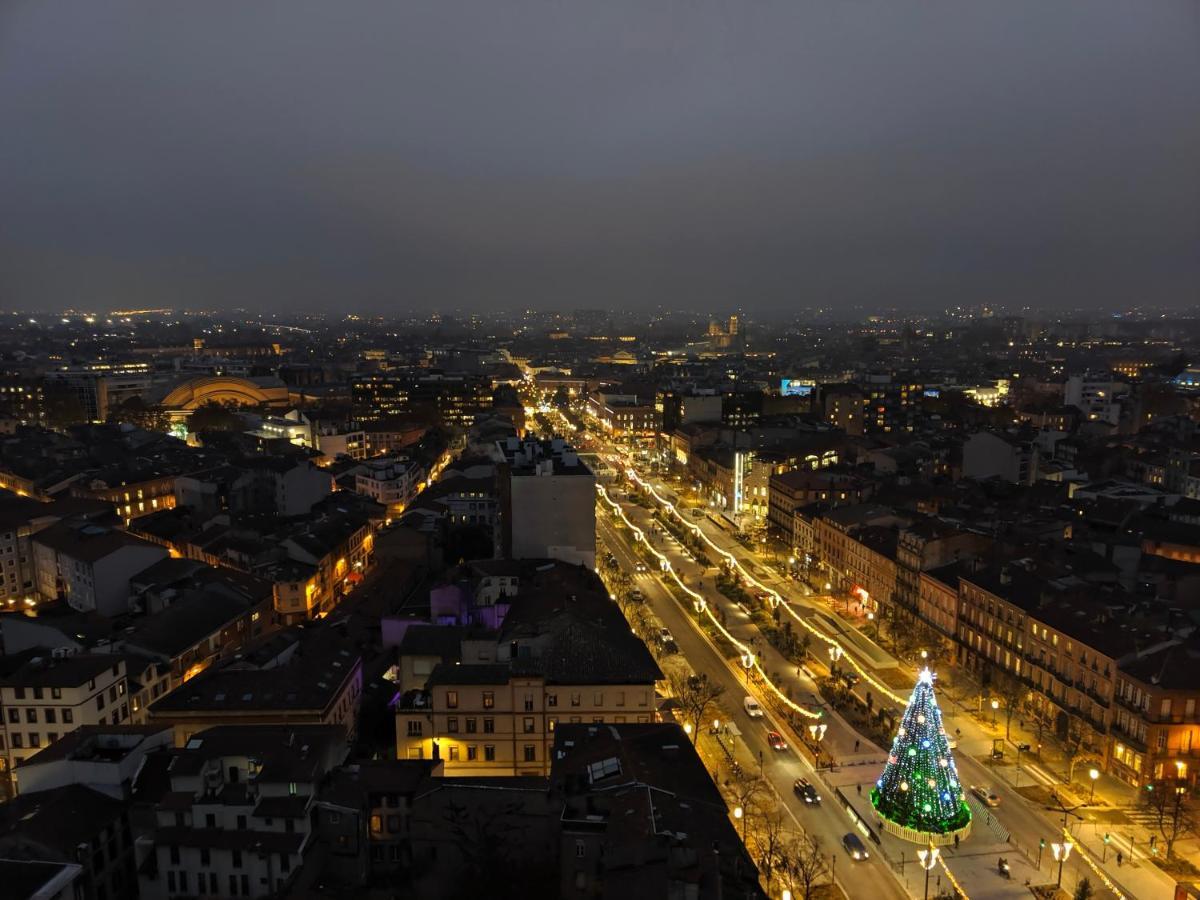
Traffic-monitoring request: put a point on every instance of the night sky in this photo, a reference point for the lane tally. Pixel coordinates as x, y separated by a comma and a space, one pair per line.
763, 154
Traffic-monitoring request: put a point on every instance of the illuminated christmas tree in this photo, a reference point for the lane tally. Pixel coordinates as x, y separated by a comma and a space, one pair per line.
919, 795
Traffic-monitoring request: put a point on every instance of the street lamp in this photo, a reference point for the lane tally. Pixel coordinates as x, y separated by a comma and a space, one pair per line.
928, 859
687, 728
1061, 852
817, 732
1093, 774
995, 706
835, 653
748, 664
740, 815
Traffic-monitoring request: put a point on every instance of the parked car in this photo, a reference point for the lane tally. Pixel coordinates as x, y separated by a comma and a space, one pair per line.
775, 739
670, 647
985, 795
697, 513
664, 635
752, 708
854, 846
637, 596
803, 789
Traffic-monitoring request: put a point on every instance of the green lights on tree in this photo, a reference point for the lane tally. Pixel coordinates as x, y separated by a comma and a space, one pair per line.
919, 788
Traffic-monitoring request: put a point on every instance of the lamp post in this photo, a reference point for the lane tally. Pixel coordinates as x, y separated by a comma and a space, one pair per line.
995, 706
1093, 774
817, 732
928, 860
748, 664
835, 653
740, 815
1061, 852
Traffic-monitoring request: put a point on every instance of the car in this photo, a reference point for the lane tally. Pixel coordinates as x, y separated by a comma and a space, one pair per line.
851, 678
697, 513
670, 647
637, 596
803, 789
640, 567
985, 795
854, 846
753, 710
775, 739
664, 635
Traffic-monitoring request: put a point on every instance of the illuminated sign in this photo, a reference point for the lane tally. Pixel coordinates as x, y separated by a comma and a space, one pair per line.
790, 387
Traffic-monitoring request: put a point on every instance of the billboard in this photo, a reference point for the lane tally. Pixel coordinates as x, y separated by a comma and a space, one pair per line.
791, 387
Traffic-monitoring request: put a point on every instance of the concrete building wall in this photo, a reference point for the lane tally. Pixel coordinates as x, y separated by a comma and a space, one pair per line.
554, 516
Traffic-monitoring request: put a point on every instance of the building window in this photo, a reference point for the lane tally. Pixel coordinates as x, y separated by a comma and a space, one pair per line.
471, 753
489, 753
35, 739
530, 753
579, 849
575, 698
529, 703
452, 725
174, 854
552, 699
528, 725
471, 725
31, 716
489, 726
452, 699
453, 753
489, 699
414, 728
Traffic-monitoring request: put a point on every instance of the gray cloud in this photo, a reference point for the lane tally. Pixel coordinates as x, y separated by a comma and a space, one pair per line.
384, 155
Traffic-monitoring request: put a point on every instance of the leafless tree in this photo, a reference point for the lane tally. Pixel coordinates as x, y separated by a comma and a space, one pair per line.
1171, 802
1011, 690
803, 865
696, 695
770, 837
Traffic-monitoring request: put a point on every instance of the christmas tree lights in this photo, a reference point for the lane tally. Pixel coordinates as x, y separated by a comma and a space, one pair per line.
919, 795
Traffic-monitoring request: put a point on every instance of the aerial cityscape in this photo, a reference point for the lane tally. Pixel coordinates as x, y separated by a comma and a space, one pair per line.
630, 450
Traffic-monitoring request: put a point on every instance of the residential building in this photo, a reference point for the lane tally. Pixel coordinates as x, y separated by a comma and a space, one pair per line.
46, 693
637, 815
90, 565
74, 825
392, 482
234, 809
999, 454
311, 678
105, 758
547, 499
564, 654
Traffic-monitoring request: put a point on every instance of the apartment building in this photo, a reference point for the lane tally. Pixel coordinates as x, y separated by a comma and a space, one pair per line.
1155, 725
233, 813
560, 658
547, 502
90, 565
47, 693
312, 677
391, 482
1052, 635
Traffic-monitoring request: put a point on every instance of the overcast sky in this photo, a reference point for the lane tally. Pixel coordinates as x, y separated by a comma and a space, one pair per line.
767, 154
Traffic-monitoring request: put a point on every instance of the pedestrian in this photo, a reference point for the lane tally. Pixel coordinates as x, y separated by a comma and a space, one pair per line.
860, 790
956, 841
1120, 858
856, 746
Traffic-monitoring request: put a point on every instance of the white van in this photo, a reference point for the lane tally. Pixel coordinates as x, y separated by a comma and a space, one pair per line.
752, 708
